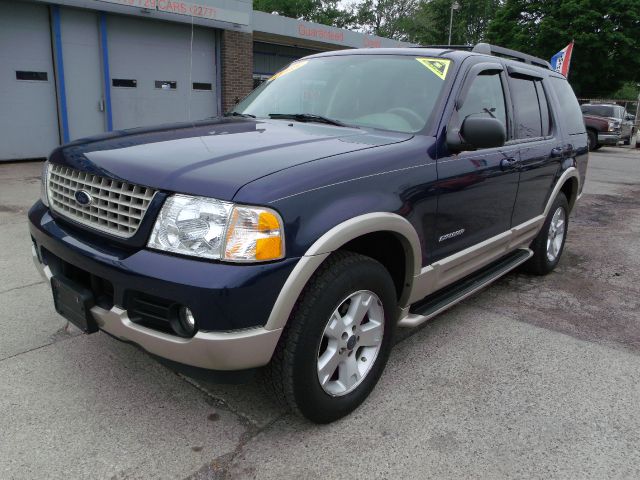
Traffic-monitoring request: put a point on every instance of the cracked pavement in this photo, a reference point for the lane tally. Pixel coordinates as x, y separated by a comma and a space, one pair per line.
535, 377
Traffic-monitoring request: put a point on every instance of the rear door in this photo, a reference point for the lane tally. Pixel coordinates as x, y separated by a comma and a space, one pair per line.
538, 139
476, 189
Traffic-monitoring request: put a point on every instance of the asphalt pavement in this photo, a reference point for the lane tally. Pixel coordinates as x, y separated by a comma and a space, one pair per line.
534, 377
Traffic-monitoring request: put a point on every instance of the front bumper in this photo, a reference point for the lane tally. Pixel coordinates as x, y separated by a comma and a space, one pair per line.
608, 138
216, 347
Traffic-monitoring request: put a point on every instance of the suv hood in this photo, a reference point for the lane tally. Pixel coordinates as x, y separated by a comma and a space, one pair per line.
214, 157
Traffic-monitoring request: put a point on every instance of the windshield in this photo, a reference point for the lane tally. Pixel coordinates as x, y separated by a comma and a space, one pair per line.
391, 92
613, 111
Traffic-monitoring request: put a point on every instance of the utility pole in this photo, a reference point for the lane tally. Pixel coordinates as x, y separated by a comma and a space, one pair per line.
454, 6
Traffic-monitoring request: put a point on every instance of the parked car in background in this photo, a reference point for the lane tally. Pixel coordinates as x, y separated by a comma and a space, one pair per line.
601, 131
613, 112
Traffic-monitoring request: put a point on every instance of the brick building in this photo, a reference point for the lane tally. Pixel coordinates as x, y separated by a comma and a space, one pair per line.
75, 68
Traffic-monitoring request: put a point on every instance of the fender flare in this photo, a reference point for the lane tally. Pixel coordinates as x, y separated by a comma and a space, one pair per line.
571, 172
334, 239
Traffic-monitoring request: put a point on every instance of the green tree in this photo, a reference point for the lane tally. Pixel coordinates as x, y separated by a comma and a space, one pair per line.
606, 34
628, 91
386, 18
430, 25
327, 12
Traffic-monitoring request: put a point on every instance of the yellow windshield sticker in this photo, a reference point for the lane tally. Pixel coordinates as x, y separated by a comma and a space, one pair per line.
289, 69
439, 66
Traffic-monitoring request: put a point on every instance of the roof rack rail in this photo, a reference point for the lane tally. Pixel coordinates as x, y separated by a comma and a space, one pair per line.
448, 47
488, 49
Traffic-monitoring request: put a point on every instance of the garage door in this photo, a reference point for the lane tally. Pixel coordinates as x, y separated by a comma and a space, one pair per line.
167, 86
28, 112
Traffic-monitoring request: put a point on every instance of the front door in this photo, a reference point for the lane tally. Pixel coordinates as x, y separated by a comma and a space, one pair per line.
476, 189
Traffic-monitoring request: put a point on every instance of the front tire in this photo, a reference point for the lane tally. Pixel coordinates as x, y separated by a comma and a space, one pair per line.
549, 244
337, 341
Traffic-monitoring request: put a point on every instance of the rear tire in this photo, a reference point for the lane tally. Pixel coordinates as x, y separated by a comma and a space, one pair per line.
593, 139
549, 244
337, 340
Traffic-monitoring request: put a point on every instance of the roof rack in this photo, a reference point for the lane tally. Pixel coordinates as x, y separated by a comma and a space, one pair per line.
488, 49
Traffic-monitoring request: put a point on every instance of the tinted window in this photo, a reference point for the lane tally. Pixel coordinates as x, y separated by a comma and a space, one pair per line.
528, 120
567, 109
544, 110
485, 95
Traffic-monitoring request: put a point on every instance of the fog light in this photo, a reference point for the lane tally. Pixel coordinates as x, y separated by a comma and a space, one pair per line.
187, 321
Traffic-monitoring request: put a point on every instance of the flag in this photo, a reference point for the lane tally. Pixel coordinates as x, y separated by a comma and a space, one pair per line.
560, 61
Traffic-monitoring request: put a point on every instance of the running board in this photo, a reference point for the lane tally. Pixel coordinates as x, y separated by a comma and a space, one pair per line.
433, 304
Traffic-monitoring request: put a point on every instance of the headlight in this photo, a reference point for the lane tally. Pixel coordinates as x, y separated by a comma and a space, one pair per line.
613, 126
44, 183
209, 228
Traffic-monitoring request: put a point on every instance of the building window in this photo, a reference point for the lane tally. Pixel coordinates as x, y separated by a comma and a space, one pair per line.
202, 86
124, 82
33, 76
166, 84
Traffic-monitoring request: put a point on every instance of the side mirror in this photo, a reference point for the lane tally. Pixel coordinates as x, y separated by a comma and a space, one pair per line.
477, 132
629, 117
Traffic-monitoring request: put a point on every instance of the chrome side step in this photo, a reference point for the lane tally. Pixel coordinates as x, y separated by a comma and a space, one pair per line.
433, 304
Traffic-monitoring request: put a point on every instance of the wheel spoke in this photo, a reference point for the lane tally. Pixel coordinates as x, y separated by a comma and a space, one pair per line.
335, 326
327, 364
348, 372
358, 308
371, 334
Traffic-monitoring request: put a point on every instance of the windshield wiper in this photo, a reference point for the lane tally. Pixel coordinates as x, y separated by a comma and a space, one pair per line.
238, 114
308, 117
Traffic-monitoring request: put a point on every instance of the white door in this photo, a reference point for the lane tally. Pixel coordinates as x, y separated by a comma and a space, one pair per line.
28, 109
83, 72
167, 85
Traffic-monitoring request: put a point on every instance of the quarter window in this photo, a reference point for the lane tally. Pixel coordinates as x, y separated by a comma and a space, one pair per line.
568, 109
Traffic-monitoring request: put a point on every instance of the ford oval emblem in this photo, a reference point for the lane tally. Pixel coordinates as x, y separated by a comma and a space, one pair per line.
83, 198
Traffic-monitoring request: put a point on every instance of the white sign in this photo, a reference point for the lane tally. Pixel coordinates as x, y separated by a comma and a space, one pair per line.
191, 9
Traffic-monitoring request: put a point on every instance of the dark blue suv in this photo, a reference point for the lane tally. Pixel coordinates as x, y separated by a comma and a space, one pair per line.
352, 193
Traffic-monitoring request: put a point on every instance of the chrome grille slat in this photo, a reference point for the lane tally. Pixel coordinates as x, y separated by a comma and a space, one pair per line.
118, 207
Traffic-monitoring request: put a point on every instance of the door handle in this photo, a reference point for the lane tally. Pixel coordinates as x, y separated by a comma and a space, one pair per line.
508, 163
101, 105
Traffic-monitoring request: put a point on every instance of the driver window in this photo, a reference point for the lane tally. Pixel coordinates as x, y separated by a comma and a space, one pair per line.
485, 95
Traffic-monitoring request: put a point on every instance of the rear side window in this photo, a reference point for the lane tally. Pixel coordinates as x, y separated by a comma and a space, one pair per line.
568, 109
528, 119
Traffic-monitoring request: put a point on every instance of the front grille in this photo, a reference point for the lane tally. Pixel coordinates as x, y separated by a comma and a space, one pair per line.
116, 207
